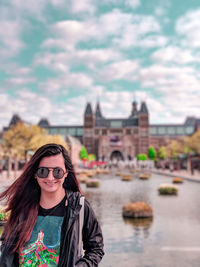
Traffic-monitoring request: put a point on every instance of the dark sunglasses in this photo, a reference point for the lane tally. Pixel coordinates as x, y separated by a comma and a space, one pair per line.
43, 172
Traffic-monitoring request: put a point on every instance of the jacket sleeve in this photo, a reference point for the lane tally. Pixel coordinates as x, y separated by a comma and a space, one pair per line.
92, 239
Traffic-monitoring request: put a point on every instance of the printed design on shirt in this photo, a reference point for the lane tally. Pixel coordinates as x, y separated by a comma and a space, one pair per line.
39, 254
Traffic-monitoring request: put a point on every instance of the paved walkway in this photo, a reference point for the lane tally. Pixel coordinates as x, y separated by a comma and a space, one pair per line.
4, 180
182, 174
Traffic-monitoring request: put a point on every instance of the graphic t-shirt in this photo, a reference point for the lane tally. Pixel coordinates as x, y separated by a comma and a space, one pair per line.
43, 248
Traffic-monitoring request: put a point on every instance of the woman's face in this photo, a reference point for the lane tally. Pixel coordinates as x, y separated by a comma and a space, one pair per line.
50, 184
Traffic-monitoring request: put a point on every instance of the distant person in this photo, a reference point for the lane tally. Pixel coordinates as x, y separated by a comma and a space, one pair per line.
43, 226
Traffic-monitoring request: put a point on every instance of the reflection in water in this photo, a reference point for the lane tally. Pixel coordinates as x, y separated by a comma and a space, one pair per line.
140, 225
133, 243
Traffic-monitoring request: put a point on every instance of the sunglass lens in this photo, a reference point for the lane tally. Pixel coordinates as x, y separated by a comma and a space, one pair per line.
42, 172
58, 173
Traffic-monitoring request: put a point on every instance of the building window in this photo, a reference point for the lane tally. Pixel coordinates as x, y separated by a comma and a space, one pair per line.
189, 130
72, 131
104, 132
88, 133
96, 131
128, 131
180, 130
116, 124
161, 130
144, 133
153, 130
80, 132
135, 131
63, 131
53, 131
171, 130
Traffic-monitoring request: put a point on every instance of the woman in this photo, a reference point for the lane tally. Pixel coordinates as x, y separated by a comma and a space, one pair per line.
44, 205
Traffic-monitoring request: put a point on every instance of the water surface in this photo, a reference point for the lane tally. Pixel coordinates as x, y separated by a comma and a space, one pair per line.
172, 238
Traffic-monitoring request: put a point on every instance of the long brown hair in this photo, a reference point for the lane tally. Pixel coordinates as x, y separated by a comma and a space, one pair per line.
23, 196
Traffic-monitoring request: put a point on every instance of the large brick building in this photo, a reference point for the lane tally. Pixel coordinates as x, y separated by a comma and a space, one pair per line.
122, 138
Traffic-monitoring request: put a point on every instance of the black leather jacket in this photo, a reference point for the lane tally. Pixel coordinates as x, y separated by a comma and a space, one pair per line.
91, 233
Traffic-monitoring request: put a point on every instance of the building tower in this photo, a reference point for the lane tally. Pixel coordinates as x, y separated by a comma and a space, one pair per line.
143, 124
88, 134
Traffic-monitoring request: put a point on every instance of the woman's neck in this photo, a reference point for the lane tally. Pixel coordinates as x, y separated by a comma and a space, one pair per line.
49, 200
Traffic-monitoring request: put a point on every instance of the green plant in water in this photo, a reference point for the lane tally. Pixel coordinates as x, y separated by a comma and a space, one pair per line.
168, 190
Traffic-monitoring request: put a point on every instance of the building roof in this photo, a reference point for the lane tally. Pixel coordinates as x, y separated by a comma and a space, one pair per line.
15, 119
143, 108
98, 113
88, 110
190, 121
134, 111
43, 123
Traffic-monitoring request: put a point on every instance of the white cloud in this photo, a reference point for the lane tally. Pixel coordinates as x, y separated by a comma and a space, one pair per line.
128, 3
18, 9
152, 41
65, 82
168, 79
132, 3
119, 70
72, 32
135, 30
88, 58
10, 39
188, 26
17, 81
125, 29
174, 54
86, 6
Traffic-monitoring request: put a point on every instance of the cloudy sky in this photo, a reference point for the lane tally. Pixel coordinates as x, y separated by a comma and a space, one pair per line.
58, 54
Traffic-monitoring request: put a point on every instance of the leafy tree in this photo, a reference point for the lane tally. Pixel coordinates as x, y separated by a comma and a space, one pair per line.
142, 157
151, 152
83, 153
175, 148
91, 157
17, 139
16, 142
193, 142
21, 139
40, 140
162, 152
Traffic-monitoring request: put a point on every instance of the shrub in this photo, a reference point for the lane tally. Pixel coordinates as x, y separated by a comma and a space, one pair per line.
126, 177
177, 180
142, 157
106, 171
137, 210
90, 173
83, 177
92, 183
167, 189
98, 171
144, 176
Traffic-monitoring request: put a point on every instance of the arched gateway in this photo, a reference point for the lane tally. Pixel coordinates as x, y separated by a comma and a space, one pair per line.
116, 156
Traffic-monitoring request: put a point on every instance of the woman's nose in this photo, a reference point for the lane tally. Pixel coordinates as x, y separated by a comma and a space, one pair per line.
50, 175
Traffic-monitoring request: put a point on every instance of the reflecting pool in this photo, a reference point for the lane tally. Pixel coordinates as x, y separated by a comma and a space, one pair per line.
171, 238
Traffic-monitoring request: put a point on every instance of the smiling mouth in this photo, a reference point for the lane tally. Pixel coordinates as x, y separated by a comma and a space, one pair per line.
50, 183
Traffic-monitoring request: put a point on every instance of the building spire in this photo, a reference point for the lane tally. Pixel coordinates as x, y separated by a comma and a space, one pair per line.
143, 108
98, 113
88, 110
